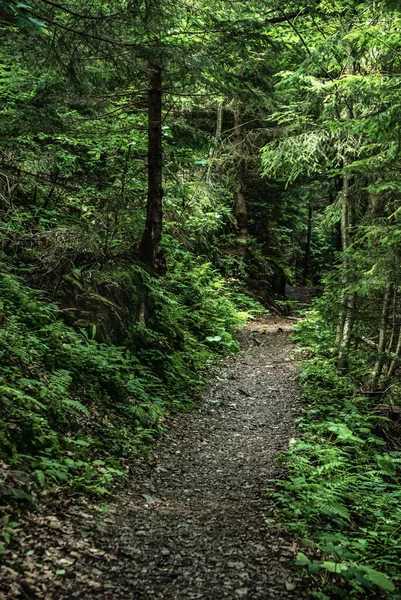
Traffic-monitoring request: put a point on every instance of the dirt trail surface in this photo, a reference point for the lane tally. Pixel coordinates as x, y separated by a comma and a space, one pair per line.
194, 522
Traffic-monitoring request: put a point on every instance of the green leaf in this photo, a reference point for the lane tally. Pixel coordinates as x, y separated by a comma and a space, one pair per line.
334, 567
344, 433
40, 476
78, 442
378, 578
302, 560
6, 536
76, 405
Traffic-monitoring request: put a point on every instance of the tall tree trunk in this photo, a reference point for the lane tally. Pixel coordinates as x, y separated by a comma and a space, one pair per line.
308, 245
241, 210
348, 322
348, 298
393, 332
381, 347
154, 209
395, 338
340, 320
213, 150
396, 359
348, 302
242, 219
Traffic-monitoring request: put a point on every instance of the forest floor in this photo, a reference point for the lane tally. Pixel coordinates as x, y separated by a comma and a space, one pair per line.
194, 521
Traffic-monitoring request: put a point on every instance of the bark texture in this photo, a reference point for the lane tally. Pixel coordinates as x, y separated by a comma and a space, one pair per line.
378, 366
213, 149
396, 358
154, 210
308, 245
348, 302
241, 210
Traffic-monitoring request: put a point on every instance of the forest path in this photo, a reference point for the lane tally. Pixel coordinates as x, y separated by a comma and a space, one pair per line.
192, 524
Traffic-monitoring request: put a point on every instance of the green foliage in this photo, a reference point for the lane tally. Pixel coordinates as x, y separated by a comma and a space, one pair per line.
74, 408
93, 364
8, 529
343, 491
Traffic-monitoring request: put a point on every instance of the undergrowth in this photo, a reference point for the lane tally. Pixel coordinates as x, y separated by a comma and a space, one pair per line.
76, 407
343, 492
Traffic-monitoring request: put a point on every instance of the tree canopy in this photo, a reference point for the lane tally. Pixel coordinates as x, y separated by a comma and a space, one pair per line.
168, 170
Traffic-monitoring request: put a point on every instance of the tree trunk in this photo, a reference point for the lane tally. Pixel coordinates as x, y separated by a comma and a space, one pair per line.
395, 361
348, 301
241, 211
393, 332
340, 320
308, 245
381, 347
348, 322
213, 150
152, 234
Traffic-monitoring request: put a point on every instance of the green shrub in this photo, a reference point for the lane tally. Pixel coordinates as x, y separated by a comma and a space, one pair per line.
73, 406
343, 490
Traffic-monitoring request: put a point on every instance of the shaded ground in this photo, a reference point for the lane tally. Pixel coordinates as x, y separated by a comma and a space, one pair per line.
194, 523
303, 295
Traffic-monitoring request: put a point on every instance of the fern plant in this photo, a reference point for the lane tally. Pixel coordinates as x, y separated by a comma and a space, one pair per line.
343, 489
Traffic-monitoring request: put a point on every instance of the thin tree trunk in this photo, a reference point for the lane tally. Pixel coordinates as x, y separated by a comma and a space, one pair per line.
395, 361
212, 152
308, 245
347, 311
241, 210
394, 307
381, 347
348, 305
242, 219
152, 234
341, 320
345, 343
